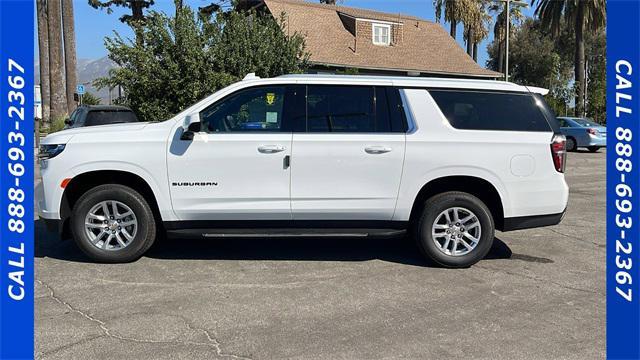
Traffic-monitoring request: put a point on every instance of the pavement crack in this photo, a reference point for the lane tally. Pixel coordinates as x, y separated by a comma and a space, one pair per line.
211, 341
546, 281
42, 355
571, 236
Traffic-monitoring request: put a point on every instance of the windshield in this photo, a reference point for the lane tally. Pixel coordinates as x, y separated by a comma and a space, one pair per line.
586, 122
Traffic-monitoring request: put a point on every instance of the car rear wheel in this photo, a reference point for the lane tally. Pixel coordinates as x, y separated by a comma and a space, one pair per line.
571, 144
456, 229
113, 223
593, 149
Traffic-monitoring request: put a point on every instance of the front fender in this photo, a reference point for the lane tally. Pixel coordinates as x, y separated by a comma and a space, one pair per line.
157, 183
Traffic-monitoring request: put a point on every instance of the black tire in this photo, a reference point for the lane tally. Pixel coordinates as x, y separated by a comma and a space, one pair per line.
433, 207
593, 149
146, 228
572, 145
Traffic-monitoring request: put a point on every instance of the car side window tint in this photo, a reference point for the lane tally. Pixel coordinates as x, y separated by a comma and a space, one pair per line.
106, 117
382, 115
73, 118
547, 111
479, 110
562, 122
396, 110
344, 109
258, 109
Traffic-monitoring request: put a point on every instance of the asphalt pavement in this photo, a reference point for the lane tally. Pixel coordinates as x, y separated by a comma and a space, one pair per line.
540, 294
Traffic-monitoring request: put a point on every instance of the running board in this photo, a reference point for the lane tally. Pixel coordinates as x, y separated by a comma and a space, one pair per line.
282, 233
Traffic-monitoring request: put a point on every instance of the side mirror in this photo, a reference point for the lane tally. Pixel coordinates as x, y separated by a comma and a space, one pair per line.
67, 121
191, 130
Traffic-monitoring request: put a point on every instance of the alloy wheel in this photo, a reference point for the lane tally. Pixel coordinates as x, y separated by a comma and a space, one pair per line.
111, 225
456, 231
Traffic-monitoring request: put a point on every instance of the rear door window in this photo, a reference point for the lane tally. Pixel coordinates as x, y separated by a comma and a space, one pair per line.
342, 109
479, 110
353, 109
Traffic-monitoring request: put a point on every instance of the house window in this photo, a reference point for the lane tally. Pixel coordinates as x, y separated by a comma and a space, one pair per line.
381, 34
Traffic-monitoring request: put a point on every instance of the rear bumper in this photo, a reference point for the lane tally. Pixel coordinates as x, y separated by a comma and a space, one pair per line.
528, 222
597, 141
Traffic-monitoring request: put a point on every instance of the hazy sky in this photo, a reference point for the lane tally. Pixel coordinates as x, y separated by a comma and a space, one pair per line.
92, 25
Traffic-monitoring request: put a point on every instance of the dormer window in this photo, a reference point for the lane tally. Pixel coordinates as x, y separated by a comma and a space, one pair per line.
381, 34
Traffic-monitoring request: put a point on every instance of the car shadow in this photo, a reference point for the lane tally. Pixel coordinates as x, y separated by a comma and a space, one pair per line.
397, 250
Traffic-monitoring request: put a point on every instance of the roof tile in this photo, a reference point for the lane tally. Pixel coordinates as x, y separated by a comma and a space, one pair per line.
425, 46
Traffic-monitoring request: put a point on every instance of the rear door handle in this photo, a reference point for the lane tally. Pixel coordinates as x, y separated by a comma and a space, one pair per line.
377, 149
270, 149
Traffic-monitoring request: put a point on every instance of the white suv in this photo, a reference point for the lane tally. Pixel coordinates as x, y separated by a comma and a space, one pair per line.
446, 160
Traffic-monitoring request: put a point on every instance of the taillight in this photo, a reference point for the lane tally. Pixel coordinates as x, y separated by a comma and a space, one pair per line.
559, 152
592, 131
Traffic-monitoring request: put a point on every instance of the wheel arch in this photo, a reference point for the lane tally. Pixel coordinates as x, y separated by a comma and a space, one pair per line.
575, 141
478, 187
83, 182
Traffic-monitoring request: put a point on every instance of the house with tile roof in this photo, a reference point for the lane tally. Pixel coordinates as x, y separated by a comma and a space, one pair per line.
341, 38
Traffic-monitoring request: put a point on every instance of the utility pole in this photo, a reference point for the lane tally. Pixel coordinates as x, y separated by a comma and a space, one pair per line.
508, 20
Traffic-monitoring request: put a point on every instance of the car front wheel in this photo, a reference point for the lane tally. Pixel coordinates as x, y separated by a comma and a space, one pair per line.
456, 229
113, 223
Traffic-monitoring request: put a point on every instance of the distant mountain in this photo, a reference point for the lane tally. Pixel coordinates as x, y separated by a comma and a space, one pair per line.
89, 70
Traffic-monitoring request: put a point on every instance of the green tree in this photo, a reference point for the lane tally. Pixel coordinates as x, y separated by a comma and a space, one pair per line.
500, 28
249, 42
536, 60
596, 57
137, 17
90, 99
472, 13
161, 77
454, 11
582, 15
476, 25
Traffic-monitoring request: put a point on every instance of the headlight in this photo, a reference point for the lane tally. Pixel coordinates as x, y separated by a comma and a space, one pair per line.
49, 151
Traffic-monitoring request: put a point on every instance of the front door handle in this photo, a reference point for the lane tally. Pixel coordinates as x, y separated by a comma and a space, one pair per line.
377, 149
270, 149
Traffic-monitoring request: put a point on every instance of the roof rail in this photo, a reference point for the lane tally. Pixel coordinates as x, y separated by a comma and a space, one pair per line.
250, 76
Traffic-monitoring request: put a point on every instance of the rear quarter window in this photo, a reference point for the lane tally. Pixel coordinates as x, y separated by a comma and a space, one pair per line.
105, 117
478, 110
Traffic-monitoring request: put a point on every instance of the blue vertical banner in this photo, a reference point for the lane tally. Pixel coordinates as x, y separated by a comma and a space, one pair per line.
16, 178
623, 182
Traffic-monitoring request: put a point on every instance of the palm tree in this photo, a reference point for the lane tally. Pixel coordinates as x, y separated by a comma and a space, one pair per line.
499, 29
43, 56
70, 62
135, 20
582, 15
56, 67
455, 11
476, 25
